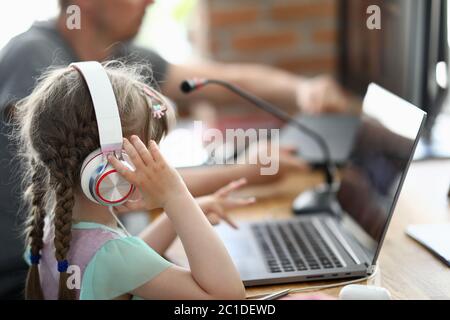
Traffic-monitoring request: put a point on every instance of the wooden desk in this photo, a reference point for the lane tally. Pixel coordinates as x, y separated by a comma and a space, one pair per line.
406, 269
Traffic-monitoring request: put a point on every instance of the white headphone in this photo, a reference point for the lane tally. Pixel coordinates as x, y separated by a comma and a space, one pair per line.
100, 182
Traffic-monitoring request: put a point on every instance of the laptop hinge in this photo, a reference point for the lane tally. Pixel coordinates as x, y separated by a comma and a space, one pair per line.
371, 269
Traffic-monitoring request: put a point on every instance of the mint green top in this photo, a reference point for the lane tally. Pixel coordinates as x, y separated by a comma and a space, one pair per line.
119, 266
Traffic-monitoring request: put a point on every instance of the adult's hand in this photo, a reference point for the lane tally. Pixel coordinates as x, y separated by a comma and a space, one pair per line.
322, 94
285, 158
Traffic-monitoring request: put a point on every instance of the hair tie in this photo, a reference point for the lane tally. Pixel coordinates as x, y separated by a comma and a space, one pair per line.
34, 259
63, 266
158, 111
158, 104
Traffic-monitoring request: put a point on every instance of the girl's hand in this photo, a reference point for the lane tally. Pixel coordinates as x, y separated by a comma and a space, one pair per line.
216, 205
158, 182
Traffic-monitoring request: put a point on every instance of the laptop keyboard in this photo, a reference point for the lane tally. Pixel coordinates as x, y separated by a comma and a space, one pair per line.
294, 246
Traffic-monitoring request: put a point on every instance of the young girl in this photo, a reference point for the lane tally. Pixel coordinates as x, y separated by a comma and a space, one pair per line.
57, 129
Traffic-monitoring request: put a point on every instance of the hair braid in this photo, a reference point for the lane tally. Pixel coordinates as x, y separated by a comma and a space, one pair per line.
63, 171
63, 235
35, 194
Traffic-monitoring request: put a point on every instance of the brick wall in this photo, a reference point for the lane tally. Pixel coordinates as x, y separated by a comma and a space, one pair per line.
296, 35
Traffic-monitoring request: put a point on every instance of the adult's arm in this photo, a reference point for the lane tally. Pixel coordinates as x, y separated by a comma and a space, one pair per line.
285, 89
207, 179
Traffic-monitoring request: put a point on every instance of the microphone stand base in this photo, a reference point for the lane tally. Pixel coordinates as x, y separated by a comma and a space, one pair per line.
321, 199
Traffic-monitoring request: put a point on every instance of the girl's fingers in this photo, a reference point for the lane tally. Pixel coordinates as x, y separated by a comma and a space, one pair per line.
240, 202
217, 209
122, 169
133, 154
228, 220
231, 187
154, 150
213, 218
142, 150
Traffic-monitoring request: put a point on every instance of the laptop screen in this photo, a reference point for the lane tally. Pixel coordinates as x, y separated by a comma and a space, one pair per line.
382, 150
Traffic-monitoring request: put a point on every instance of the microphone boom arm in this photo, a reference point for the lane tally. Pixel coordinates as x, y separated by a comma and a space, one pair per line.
329, 169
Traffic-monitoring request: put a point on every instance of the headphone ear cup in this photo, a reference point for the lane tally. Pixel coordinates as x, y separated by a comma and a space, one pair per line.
101, 183
90, 165
110, 188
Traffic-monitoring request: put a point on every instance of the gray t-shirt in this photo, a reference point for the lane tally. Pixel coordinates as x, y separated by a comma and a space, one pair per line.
22, 61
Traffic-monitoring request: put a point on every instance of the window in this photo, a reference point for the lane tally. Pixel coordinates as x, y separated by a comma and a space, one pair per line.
18, 15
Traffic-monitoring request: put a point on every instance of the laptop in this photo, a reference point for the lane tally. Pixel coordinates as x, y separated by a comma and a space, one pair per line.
344, 243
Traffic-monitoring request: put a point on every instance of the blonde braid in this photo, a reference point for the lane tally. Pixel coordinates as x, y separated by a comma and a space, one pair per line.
35, 194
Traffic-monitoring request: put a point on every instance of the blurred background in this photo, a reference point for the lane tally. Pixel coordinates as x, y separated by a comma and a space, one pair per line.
297, 35
408, 55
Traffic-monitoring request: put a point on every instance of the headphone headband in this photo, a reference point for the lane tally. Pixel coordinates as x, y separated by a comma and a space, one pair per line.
105, 105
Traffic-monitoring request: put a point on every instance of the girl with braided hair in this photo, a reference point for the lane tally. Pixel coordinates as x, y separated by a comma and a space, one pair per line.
56, 130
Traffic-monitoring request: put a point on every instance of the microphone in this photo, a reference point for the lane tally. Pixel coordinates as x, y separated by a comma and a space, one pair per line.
320, 199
